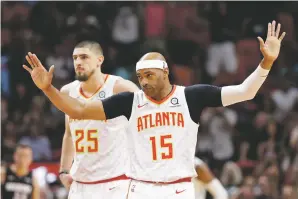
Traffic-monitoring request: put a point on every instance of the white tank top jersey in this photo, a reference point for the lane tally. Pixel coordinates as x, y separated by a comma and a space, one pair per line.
100, 146
162, 138
200, 190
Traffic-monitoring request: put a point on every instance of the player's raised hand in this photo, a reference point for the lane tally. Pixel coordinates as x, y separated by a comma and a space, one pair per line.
40, 76
270, 49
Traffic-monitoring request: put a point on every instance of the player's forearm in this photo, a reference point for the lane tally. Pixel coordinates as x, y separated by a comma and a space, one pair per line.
65, 103
36, 194
249, 88
36, 189
217, 190
67, 153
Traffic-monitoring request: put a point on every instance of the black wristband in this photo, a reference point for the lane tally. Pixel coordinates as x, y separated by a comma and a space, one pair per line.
63, 172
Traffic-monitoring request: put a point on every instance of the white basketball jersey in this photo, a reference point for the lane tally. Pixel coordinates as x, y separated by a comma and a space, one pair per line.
100, 146
200, 190
162, 138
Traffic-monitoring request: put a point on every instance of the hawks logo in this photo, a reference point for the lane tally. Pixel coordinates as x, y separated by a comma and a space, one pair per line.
174, 101
102, 94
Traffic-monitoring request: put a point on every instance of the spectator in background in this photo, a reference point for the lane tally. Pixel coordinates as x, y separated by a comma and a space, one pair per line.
222, 51
268, 150
221, 123
9, 141
284, 99
204, 143
40, 144
4, 110
63, 65
21, 99
155, 25
5, 75
125, 36
264, 191
183, 30
288, 192
231, 177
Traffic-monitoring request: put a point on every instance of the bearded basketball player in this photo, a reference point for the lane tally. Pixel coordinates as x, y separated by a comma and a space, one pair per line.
98, 149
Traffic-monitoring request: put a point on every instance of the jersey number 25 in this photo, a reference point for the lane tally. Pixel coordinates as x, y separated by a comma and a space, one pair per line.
86, 141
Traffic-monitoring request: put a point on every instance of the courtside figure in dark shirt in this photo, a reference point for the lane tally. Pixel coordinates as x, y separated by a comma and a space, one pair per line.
17, 181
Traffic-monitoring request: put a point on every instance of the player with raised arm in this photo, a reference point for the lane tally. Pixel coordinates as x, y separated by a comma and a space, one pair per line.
207, 181
162, 118
98, 148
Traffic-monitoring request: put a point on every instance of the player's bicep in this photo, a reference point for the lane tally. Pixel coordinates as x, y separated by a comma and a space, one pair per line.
118, 105
200, 96
203, 95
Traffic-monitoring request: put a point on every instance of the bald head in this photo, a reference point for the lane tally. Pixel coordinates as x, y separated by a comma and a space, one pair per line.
153, 56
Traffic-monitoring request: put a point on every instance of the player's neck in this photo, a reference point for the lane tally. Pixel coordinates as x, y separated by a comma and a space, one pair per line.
164, 92
20, 171
93, 83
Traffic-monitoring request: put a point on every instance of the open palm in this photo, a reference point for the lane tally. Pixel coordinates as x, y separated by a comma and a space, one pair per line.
270, 49
40, 76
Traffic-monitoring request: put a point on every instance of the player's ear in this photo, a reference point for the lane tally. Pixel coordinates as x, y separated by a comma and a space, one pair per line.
100, 59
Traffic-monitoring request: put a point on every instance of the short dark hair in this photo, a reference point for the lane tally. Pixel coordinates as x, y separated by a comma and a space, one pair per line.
92, 45
22, 146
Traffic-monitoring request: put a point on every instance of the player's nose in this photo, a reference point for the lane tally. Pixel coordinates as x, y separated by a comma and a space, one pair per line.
78, 61
144, 82
78, 64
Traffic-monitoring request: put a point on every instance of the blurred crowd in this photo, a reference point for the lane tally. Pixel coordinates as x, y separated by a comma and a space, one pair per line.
252, 147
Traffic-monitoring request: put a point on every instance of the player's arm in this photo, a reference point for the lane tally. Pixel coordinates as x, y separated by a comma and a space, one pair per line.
123, 85
3, 174
250, 86
74, 108
201, 96
212, 96
211, 183
95, 110
36, 189
67, 153
248, 89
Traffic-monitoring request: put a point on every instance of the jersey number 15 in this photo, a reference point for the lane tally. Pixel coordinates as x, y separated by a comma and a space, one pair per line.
163, 144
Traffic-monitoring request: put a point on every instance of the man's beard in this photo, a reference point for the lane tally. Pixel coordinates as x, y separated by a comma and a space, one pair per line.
83, 77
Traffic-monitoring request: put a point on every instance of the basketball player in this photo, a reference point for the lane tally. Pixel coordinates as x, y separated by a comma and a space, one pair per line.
162, 118
206, 181
17, 181
95, 174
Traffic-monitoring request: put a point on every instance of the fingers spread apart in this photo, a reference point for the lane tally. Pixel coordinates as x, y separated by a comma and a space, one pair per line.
272, 32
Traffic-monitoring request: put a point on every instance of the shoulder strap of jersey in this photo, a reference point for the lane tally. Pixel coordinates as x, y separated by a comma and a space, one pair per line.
110, 82
73, 88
